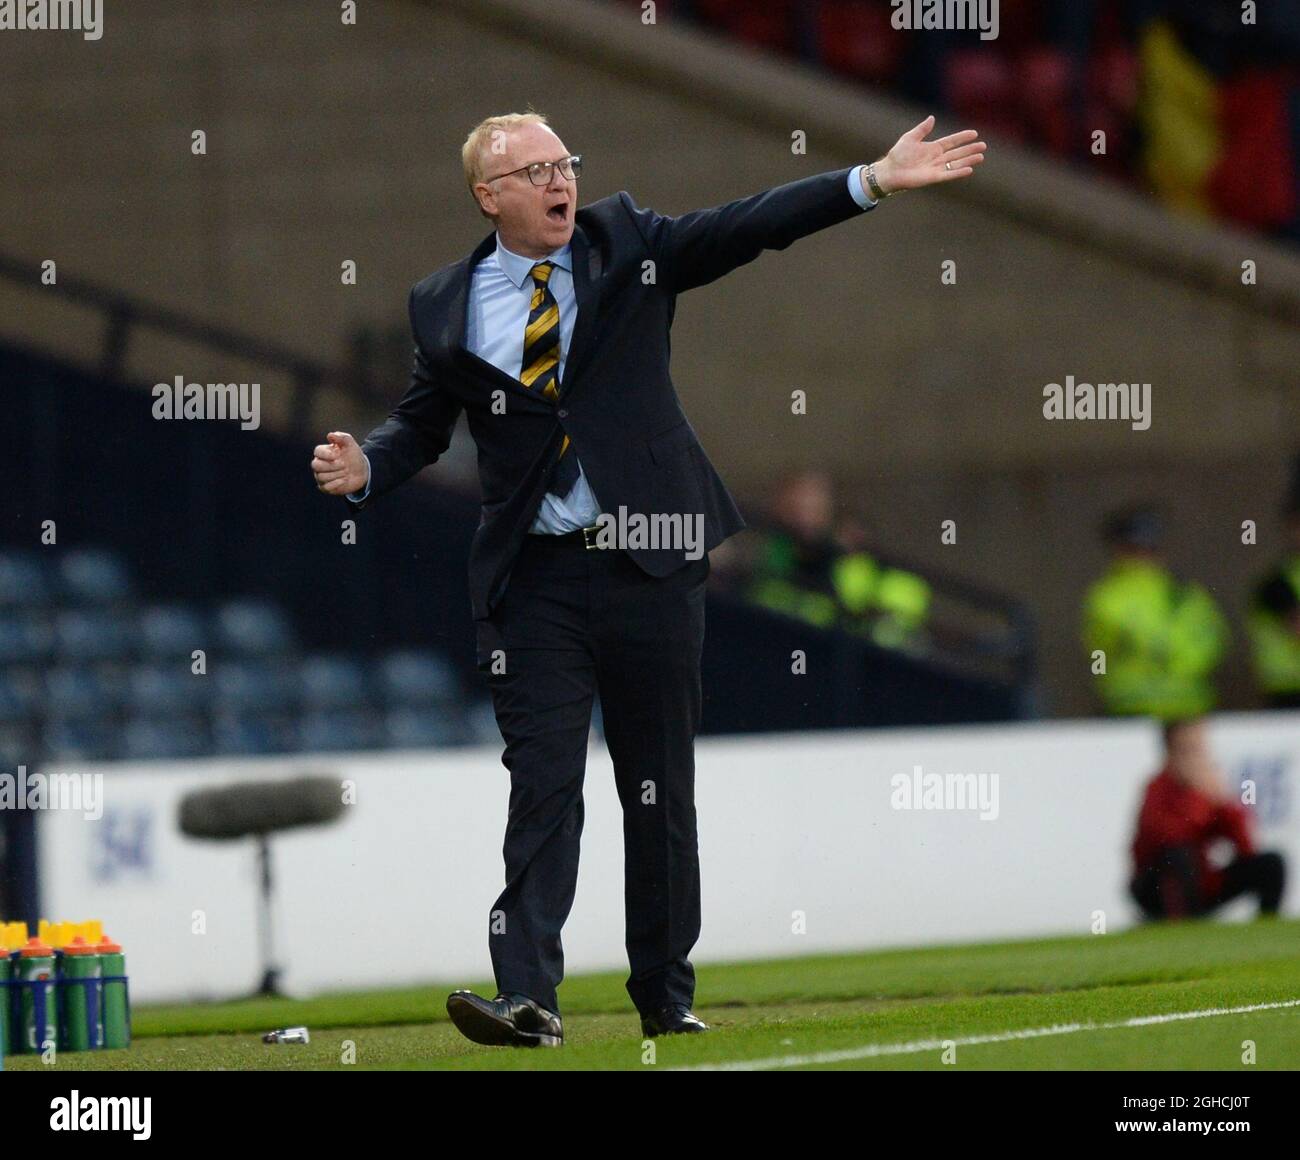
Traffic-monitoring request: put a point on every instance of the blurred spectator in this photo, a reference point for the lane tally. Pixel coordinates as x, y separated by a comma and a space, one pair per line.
804, 569
1184, 811
1275, 617
1161, 637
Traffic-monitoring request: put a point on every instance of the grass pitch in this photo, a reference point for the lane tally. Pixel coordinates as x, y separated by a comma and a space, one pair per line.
885, 1009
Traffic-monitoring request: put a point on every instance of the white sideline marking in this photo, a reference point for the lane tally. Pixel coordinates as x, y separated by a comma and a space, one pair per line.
873, 1050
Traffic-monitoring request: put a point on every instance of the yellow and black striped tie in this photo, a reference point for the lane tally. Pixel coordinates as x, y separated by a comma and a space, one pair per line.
541, 364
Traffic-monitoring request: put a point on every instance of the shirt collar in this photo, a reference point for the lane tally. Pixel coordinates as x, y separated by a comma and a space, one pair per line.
517, 267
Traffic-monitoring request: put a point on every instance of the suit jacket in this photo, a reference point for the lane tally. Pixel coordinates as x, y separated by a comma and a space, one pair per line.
616, 402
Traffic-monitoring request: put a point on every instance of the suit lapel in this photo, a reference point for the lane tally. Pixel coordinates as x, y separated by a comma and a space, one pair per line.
458, 325
586, 286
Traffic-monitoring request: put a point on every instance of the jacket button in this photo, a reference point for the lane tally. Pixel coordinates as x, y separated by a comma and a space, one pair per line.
563, 413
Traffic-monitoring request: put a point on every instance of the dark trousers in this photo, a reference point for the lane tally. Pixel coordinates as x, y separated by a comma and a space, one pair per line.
574, 623
1171, 888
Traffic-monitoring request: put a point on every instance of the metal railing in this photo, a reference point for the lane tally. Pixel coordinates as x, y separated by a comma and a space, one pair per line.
123, 315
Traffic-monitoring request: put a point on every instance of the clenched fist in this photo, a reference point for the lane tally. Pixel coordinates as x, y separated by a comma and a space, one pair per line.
339, 466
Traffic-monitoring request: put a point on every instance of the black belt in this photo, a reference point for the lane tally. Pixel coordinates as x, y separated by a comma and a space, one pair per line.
580, 538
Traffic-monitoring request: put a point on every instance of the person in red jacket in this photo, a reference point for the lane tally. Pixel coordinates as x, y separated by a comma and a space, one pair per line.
1185, 810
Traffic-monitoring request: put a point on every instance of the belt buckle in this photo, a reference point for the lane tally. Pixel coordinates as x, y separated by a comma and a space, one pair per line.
589, 542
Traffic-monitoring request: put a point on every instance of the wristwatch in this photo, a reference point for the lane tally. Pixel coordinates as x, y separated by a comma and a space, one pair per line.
872, 184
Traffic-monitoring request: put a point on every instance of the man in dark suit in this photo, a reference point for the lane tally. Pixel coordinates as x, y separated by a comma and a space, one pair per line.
600, 506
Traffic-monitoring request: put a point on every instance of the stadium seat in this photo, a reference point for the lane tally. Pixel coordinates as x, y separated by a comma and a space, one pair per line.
247, 734
768, 25
166, 687
1021, 25
172, 630
22, 580
428, 728
253, 628
1115, 75
80, 739
25, 638
411, 677
980, 90
93, 576
253, 686
332, 682
17, 746
482, 724
1046, 85
82, 691
20, 694
858, 41
339, 729
1112, 87
94, 635
150, 738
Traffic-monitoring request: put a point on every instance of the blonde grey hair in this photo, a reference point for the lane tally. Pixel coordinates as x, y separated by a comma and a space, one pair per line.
479, 143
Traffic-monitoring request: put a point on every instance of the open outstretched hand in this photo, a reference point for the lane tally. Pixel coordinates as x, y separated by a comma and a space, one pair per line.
914, 162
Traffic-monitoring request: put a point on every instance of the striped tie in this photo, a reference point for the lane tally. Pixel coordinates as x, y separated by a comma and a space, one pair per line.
541, 364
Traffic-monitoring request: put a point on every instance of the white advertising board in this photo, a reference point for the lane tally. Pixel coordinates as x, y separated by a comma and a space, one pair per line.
804, 848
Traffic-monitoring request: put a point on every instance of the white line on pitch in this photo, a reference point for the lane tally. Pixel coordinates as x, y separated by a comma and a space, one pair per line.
873, 1050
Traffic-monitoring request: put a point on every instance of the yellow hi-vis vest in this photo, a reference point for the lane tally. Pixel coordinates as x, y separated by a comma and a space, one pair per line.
887, 604
1162, 639
1275, 648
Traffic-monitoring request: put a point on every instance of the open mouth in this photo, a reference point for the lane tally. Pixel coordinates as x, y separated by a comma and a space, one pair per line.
557, 213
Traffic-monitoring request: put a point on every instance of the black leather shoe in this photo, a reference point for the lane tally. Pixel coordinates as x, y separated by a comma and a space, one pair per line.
506, 1021
675, 1019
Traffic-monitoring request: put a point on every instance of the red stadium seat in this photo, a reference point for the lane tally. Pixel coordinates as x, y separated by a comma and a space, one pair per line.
856, 38
1254, 180
980, 90
767, 24
1020, 25
1046, 76
1112, 102
1113, 74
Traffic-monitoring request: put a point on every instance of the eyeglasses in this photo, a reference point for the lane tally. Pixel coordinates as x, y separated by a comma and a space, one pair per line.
539, 172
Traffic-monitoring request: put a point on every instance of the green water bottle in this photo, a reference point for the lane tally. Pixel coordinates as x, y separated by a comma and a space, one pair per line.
6, 993
35, 1013
82, 1008
116, 1004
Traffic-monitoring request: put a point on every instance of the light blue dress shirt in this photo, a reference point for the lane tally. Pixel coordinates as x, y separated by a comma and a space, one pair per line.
499, 295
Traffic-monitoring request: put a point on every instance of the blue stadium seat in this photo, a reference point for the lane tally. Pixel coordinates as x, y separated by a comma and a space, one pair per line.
339, 729
23, 582
429, 728
82, 691
332, 682
80, 739
253, 686
20, 694
167, 687
17, 747
240, 734
93, 576
413, 677
172, 630
253, 628
150, 738
481, 724
94, 635
25, 638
